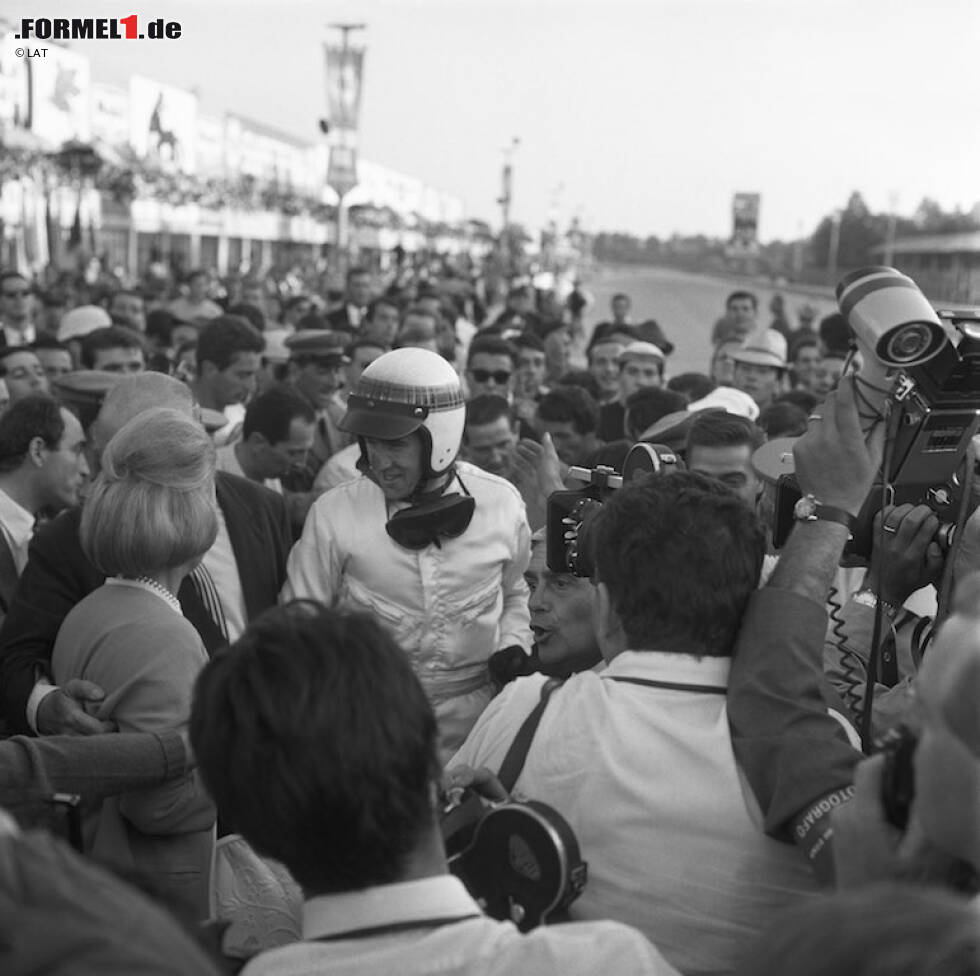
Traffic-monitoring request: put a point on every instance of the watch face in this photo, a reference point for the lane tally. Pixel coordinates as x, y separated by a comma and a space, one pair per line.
806, 508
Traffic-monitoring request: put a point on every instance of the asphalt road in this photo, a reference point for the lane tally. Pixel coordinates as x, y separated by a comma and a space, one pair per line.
686, 306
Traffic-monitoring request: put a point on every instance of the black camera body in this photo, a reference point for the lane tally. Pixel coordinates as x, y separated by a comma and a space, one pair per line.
571, 514
898, 746
936, 412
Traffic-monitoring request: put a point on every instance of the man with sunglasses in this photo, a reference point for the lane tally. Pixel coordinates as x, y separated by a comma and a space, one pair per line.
433, 547
490, 367
15, 309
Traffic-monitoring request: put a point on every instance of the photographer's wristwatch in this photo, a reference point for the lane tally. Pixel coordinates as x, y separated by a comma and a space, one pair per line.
808, 509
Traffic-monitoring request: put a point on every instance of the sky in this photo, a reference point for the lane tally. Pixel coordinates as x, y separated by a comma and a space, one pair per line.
640, 116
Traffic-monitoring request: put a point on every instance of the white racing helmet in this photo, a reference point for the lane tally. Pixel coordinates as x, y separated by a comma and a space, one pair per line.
410, 390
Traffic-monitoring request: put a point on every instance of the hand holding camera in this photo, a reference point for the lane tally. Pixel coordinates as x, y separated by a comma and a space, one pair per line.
833, 461
906, 556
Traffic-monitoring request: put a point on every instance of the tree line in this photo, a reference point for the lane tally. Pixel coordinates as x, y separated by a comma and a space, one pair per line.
860, 231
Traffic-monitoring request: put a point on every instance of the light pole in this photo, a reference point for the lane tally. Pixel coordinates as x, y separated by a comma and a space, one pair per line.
890, 232
342, 167
506, 195
835, 222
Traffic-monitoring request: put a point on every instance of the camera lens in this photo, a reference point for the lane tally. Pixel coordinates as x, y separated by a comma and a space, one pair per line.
909, 343
945, 535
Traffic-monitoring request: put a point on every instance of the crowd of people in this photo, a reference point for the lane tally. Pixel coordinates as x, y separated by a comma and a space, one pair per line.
278, 576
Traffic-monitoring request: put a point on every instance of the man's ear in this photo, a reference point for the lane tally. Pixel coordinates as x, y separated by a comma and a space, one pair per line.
36, 450
602, 611
606, 623
207, 369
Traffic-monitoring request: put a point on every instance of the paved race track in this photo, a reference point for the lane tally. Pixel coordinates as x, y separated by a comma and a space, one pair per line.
685, 305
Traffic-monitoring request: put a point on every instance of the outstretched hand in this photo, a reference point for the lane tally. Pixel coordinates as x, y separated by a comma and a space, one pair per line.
538, 472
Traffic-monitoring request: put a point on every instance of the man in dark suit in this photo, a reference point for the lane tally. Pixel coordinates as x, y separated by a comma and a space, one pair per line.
42, 468
239, 578
357, 295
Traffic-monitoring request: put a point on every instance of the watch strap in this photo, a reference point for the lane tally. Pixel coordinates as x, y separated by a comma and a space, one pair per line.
828, 513
808, 509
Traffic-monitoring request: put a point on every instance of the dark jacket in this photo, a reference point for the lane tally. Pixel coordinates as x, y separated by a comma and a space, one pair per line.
58, 575
8, 577
339, 320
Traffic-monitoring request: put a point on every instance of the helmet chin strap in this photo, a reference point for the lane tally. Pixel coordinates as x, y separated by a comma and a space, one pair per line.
426, 491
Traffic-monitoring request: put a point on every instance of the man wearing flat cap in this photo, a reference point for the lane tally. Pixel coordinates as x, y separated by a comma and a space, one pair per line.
316, 371
640, 364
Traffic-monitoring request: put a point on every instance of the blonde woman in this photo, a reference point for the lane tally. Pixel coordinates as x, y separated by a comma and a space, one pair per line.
147, 522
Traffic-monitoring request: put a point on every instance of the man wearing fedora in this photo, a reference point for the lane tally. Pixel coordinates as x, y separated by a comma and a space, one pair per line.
760, 366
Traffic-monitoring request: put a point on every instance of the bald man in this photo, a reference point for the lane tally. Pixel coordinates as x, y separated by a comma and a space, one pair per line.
240, 576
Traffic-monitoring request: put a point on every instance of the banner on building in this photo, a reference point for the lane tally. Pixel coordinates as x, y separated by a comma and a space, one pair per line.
344, 75
15, 105
46, 97
163, 124
745, 220
110, 115
342, 169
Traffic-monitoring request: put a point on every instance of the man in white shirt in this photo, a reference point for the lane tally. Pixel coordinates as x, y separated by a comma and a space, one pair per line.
229, 354
639, 758
42, 466
277, 434
353, 768
433, 547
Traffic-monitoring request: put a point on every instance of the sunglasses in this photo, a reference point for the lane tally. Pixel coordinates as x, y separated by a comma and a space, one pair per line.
499, 376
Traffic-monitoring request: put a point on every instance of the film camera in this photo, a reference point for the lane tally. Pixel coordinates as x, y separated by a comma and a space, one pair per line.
571, 513
921, 371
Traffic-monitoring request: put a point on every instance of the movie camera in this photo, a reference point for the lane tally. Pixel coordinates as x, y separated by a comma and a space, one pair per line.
571, 513
920, 375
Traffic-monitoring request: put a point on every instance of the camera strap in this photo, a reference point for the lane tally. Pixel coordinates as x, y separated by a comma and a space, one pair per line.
510, 768
516, 756
674, 686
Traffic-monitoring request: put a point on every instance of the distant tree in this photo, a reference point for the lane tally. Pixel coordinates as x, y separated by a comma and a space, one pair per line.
860, 231
930, 218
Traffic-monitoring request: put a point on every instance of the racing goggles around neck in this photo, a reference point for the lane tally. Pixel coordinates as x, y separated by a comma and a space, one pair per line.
428, 522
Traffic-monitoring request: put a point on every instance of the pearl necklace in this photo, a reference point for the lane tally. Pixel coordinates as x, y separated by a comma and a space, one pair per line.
158, 588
